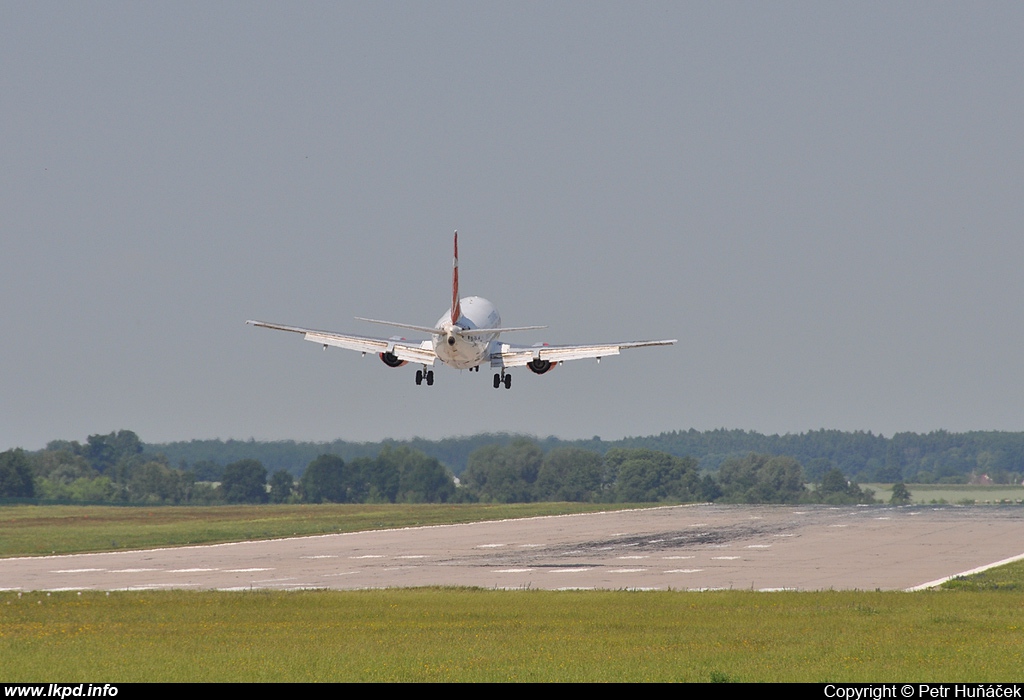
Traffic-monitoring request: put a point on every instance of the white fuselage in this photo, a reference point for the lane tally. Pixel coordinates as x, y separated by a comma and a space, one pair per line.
466, 351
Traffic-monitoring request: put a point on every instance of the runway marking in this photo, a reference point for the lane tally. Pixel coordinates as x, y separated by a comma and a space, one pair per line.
633, 556
533, 545
626, 571
884, 518
412, 556
368, 556
683, 571
978, 570
512, 571
725, 558
246, 571
774, 590
131, 571
758, 546
148, 586
655, 541
187, 571
272, 580
788, 534
341, 573
688, 556
320, 556
489, 546
75, 571
570, 571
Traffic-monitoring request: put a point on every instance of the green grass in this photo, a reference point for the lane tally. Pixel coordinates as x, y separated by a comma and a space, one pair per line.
923, 494
28, 530
436, 634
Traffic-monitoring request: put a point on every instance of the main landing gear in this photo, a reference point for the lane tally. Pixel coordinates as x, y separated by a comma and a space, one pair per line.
503, 378
427, 374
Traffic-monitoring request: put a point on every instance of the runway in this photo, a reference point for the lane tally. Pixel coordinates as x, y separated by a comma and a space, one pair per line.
678, 547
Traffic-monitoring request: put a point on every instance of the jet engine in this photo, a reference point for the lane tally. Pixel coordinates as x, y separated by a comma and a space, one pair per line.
539, 366
390, 360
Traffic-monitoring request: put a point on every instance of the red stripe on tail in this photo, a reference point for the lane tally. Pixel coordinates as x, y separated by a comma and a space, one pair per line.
456, 307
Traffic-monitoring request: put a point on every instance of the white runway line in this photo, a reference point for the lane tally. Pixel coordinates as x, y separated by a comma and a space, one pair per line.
978, 570
75, 571
131, 571
188, 571
244, 571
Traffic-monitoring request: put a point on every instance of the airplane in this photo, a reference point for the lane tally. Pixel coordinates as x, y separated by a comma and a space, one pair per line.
466, 337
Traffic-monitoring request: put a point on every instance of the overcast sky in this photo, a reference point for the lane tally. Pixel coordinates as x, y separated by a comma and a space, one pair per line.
824, 202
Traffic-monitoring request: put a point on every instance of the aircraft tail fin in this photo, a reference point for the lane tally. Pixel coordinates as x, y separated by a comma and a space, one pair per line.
456, 307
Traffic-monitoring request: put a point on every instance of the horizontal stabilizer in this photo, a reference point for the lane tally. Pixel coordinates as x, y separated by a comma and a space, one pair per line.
408, 326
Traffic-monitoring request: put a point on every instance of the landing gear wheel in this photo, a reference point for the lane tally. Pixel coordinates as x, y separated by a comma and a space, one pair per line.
419, 377
508, 381
497, 380
430, 378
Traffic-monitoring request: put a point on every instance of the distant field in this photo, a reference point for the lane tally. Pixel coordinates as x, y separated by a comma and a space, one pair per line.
484, 635
954, 493
28, 530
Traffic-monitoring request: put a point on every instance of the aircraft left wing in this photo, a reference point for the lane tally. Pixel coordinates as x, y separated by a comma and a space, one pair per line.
420, 352
506, 355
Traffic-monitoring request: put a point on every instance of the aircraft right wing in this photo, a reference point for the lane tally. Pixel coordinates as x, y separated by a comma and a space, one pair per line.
506, 355
420, 352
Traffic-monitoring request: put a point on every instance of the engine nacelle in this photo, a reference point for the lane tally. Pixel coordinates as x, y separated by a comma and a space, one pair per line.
390, 360
539, 366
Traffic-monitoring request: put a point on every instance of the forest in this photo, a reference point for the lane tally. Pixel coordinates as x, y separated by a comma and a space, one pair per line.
730, 466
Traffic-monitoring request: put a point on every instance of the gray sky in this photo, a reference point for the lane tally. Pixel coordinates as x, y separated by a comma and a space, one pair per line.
822, 201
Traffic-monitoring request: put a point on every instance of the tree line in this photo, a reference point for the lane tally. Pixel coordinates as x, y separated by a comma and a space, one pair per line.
117, 468
936, 457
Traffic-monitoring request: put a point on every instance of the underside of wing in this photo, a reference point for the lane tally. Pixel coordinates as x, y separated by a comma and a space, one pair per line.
420, 352
506, 355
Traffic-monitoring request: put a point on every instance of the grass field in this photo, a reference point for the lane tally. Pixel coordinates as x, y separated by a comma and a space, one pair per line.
483, 635
954, 493
28, 530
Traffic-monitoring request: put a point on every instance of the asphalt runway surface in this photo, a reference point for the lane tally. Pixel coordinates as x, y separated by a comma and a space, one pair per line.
678, 547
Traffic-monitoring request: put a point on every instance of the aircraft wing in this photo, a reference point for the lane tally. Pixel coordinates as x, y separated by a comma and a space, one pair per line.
506, 355
420, 352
